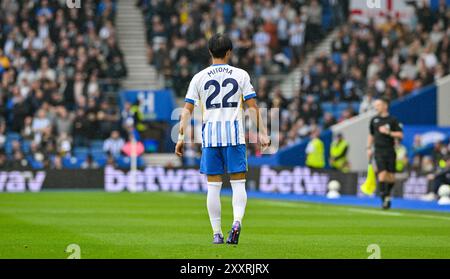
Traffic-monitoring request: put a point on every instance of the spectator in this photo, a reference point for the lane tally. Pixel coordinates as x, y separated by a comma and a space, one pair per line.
296, 38
89, 163
114, 144
57, 163
367, 103
328, 120
20, 111
27, 131
80, 129
64, 144
3, 160
261, 39
41, 126
110, 161
338, 154
19, 161
315, 151
314, 20
108, 118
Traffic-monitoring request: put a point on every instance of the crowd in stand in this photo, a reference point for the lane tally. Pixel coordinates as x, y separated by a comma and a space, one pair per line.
268, 36
367, 61
56, 65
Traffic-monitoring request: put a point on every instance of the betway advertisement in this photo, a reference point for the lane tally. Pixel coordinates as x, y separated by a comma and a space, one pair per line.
297, 180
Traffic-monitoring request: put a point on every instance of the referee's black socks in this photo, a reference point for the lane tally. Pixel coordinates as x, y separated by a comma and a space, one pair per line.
390, 186
383, 190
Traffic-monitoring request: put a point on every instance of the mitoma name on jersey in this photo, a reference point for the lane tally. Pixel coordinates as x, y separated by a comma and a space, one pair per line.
220, 70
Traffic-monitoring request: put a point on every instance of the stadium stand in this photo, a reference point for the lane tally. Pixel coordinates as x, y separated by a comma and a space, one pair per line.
269, 36
59, 81
367, 60
60, 70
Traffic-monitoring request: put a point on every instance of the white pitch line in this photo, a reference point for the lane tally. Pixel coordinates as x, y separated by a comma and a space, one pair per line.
375, 212
398, 214
430, 216
282, 204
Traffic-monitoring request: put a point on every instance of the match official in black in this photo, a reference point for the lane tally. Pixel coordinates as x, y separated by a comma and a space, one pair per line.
384, 129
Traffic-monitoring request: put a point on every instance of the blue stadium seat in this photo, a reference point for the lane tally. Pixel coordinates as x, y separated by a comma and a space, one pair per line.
11, 136
123, 162
328, 107
33, 163
80, 157
97, 153
81, 150
288, 52
336, 114
71, 162
336, 57
100, 158
96, 149
355, 106
342, 106
36, 165
151, 145
326, 20
26, 146
97, 144
140, 162
8, 147
101, 162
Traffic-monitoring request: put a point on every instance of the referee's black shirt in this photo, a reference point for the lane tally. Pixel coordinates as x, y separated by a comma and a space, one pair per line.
384, 143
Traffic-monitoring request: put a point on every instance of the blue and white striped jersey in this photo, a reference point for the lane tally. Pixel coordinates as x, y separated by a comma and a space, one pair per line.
220, 91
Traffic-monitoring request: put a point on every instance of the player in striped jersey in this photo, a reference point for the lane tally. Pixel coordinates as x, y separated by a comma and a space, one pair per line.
221, 91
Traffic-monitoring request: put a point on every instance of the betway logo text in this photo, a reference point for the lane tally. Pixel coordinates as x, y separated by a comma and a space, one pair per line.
21, 181
155, 179
297, 181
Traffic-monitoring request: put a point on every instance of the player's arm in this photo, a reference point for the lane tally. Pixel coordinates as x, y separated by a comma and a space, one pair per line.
370, 140
191, 100
255, 116
184, 120
396, 132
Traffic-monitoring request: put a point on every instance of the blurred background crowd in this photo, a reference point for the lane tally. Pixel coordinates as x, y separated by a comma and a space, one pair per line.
269, 37
60, 69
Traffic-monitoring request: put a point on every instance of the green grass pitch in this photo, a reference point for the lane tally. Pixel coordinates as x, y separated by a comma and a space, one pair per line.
176, 225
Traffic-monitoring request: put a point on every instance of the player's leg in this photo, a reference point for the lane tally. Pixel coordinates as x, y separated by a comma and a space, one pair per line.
236, 162
212, 165
390, 180
215, 207
239, 200
382, 181
381, 164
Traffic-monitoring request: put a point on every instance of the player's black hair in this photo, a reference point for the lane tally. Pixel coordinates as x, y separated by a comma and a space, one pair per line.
385, 100
219, 45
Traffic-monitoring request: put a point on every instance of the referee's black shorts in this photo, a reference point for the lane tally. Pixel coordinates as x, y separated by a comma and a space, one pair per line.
385, 161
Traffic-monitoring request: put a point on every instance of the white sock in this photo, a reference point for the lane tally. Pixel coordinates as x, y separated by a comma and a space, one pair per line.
239, 199
214, 206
